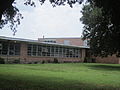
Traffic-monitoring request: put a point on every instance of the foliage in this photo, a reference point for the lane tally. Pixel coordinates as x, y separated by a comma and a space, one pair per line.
110, 11
55, 60
60, 76
89, 60
2, 61
43, 62
16, 61
9, 14
36, 62
99, 30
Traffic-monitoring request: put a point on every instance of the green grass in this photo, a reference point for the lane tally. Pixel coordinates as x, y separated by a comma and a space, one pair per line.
72, 76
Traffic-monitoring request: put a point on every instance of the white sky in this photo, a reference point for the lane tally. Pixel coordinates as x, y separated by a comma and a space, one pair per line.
61, 21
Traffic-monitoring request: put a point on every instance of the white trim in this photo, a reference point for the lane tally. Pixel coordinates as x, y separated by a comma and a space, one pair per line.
36, 41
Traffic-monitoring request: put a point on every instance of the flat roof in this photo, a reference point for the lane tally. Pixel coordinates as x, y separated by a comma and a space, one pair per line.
61, 38
36, 41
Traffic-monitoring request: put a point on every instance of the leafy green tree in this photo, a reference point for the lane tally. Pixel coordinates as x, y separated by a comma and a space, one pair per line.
98, 29
9, 14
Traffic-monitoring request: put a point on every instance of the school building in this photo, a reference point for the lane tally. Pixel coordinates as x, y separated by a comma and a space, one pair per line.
47, 50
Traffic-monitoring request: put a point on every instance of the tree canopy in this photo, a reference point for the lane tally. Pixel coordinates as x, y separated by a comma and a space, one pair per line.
111, 14
101, 19
9, 14
101, 31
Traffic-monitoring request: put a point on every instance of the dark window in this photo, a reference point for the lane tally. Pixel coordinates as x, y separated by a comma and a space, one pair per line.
9, 48
34, 51
29, 49
17, 49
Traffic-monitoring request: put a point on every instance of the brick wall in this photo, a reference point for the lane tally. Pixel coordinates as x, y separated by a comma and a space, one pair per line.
110, 59
24, 58
72, 41
27, 59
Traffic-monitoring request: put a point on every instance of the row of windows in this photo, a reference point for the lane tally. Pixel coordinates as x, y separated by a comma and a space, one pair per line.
39, 50
56, 51
51, 41
9, 48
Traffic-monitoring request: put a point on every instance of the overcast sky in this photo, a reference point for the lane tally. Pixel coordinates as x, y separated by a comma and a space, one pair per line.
61, 21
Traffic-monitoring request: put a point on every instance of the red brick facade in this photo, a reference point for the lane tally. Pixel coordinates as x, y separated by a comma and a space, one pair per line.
74, 42
25, 58
110, 59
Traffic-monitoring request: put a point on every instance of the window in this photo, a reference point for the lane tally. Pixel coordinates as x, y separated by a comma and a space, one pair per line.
60, 52
29, 50
50, 41
44, 49
67, 52
66, 42
39, 50
34, 50
71, 52
5, 48
53, 51
9, 48
48, 50
17, 49
0, 46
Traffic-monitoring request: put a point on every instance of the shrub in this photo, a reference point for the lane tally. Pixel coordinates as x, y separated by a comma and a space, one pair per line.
2, 61
86, 60
67, 61
43, 62
93, 60
48, 61
35, 62
16, 61
29, 62
89, 60
55, 60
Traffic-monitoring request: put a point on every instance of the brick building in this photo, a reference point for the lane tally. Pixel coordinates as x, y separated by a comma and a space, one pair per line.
37, 51
66, 41
47, 50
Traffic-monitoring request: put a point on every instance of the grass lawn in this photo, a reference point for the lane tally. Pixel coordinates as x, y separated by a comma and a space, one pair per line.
72, 76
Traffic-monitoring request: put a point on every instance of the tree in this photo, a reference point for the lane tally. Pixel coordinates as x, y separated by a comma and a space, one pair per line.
100, 31
10, 14
111, 13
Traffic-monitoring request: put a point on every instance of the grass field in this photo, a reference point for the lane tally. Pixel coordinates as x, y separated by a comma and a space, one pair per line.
72, 76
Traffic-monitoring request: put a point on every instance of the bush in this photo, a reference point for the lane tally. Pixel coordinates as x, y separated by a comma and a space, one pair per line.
17, 61
2, 61
93, 60
89, 60
35, 62
48, 61
86, 59
55, 60
43, 62
30, 63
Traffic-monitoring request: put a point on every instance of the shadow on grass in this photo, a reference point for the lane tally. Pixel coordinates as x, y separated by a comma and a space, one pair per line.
105, 67
45, 83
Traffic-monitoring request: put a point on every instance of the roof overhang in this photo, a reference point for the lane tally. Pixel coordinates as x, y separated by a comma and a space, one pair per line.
36, 41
